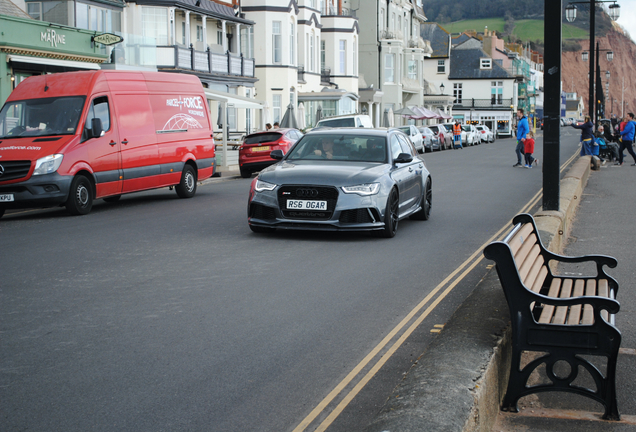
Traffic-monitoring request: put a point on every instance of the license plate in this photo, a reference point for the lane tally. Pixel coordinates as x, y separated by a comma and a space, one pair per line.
260, 149
306, 205
6, 197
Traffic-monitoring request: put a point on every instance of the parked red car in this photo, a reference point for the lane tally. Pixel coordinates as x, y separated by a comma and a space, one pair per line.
254, 153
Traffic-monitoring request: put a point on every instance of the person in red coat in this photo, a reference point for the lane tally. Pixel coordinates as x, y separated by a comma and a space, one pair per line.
528, 149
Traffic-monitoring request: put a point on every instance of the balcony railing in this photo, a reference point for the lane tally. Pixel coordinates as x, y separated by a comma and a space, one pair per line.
329, 10
204, 61
386, 34
483, 103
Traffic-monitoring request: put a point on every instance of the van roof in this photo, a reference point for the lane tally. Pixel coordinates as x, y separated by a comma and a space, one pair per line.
81, 83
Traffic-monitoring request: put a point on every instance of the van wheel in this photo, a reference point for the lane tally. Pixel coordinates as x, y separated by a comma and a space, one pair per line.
80, 196
188, 185
112, 199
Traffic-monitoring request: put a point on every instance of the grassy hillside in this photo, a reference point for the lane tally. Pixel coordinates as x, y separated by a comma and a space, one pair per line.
526, 30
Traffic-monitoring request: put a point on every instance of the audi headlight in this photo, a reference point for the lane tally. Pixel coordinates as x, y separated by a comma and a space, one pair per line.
263, 186
363, 189
48, 164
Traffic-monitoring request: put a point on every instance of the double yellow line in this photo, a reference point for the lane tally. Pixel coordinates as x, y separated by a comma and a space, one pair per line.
465, 268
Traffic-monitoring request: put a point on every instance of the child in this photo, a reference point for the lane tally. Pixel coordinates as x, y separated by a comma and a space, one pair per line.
528, 149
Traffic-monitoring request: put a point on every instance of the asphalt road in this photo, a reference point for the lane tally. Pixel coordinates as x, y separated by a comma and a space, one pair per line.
156, 313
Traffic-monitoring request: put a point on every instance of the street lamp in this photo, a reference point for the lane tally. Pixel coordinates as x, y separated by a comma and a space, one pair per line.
570, 12
441, 88
584, 56
614, 13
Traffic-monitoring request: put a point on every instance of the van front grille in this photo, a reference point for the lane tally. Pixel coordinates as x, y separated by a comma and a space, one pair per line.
12, 170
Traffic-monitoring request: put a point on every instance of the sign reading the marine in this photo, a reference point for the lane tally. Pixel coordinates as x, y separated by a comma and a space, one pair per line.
107, 39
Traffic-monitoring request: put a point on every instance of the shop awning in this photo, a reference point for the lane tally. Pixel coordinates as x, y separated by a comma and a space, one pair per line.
234, 101
53, 62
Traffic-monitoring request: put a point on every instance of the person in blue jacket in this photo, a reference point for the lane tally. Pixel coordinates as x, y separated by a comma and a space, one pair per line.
522, 130
587, 135
627, 139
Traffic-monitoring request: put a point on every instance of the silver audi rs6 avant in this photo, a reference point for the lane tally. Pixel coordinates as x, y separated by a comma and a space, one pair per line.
342, 180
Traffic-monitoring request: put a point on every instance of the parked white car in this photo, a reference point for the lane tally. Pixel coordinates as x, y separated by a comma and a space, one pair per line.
485, 133
415, 135
469, 135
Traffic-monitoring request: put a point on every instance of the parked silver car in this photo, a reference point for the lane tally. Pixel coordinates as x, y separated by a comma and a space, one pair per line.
431, 142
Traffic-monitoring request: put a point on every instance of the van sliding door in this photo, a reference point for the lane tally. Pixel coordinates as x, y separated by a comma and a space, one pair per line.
139, 154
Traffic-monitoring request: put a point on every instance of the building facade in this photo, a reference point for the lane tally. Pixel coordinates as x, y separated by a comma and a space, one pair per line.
306, 54
392, 54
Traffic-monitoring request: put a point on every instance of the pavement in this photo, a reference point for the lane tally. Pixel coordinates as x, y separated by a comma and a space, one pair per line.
459, 382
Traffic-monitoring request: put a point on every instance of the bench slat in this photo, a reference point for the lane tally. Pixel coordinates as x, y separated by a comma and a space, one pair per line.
526, 265
603, 291
548, 310
519, 238
561, 311
588, 310
574, 317
536, 276
524, 250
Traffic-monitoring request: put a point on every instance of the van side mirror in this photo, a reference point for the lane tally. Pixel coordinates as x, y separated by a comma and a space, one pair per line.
277, 154
96, 128
403, 158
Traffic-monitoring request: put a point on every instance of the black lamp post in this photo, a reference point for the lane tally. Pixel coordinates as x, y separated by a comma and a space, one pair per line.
614, 14
441, 88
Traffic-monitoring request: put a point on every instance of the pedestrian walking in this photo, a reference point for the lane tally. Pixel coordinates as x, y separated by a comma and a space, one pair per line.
457, 135
528, 150
627, 139
587, 136
268, 126
522, 130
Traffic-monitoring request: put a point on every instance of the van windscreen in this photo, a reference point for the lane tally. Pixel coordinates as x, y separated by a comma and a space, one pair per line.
335, 123
41, 117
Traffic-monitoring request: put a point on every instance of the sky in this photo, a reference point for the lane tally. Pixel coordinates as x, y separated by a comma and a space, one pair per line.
628, 16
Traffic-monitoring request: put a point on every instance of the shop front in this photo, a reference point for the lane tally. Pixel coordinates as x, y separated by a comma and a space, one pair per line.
31, 47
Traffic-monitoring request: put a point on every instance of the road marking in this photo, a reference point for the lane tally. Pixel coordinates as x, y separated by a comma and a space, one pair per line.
477, 256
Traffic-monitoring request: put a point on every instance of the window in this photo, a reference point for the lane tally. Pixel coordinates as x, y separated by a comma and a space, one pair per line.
355, 57
312, 55
292, 44
389, 68
441, 66
322, 55
381, 20
90, 17
485, 63
154, 24
343, 58
457, 93
247, 42
276, 105
276, 43
219, 37
412, 70
396, 148
183, 33
199, 33
99, 109
35, 10
496, 92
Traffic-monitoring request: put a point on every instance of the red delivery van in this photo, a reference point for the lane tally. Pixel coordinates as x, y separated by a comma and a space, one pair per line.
69, 138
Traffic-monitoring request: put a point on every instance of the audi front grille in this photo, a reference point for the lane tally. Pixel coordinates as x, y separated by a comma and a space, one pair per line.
311, 193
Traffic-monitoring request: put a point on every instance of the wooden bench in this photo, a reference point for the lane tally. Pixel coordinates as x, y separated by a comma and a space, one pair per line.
557, 318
